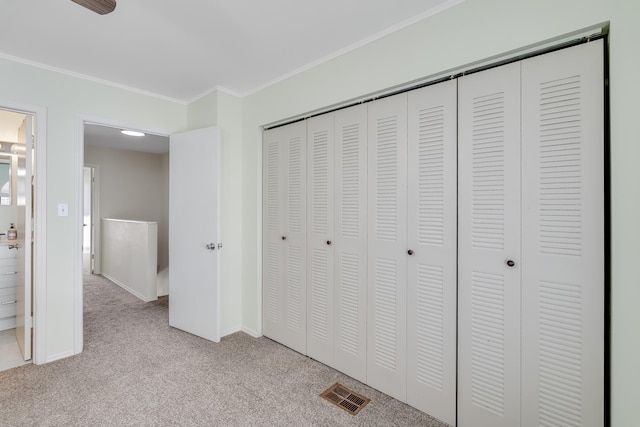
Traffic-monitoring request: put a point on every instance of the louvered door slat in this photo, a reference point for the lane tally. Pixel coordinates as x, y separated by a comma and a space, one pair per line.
563, 238
320, 231
350, 242
387, 236
488, 236
431, 273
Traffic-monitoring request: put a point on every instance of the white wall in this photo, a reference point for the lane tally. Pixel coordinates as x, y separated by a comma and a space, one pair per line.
67, 100
225, 111
471, 32
8, 215
230, 124
134, 185
129, 255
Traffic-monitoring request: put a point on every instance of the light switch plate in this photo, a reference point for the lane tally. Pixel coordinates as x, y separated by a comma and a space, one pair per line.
63, 209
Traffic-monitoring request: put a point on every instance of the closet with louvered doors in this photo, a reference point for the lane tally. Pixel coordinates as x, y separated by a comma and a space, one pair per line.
284, 287
337, 239
411, 327
531, 242
446, 245
432, 240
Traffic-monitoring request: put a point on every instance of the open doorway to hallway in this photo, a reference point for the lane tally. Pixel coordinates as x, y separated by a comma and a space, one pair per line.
124, 178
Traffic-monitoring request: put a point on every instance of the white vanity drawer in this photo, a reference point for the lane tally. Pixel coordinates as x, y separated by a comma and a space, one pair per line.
5, 252
8, 273
8, 263
7, 302
8, 282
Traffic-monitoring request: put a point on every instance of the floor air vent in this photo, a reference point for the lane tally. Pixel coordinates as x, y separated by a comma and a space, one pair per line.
346, 399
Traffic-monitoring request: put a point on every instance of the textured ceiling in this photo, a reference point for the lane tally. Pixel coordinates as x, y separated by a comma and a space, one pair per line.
183, 49
109, 137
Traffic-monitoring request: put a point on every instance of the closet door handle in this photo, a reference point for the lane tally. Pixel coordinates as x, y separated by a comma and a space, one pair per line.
284, 237
9, 302
511, 263
328, 242
7, 273
410, 251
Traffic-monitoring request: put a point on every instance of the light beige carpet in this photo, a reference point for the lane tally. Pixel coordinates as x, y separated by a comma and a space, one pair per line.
137, 371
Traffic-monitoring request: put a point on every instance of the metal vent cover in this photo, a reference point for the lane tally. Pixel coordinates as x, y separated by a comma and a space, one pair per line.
344, 398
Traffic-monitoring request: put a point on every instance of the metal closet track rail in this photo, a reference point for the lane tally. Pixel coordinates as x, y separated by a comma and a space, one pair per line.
452, 76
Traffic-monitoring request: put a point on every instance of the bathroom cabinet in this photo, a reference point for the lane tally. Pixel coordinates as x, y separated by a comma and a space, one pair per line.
8, 285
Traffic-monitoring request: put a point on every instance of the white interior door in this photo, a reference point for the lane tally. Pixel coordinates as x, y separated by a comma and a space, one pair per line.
431, 267
295, 226
350, 242
563, 238
489, 270
285, 262
273, 203
23, 225
320, 236
194, 246
387, 264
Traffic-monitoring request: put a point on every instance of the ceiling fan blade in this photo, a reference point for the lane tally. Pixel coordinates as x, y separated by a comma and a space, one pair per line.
98, 6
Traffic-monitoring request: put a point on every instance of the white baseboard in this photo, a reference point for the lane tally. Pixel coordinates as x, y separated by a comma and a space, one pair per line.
240, 328
250, 332
128, 289
230, 331
59, 356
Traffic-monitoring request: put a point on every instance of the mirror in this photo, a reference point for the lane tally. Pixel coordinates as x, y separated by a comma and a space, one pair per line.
5, 181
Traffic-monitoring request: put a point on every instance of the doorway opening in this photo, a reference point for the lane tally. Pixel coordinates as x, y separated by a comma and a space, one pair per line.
17, 212
126, 178
127, 160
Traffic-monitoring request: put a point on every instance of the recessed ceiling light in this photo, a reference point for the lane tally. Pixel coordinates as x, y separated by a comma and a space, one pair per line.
132, 132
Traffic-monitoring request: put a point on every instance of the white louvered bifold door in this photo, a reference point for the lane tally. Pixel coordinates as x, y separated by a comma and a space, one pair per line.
489, 237
295, 297
273, 226
431, 273
563, 238
350, 242
387, 265
320, 236
284, 263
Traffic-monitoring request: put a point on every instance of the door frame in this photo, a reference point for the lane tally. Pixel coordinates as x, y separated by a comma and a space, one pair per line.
39, 259
77, 211
95, 215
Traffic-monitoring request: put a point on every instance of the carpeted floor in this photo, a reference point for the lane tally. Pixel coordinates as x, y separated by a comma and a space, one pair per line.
137, 371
